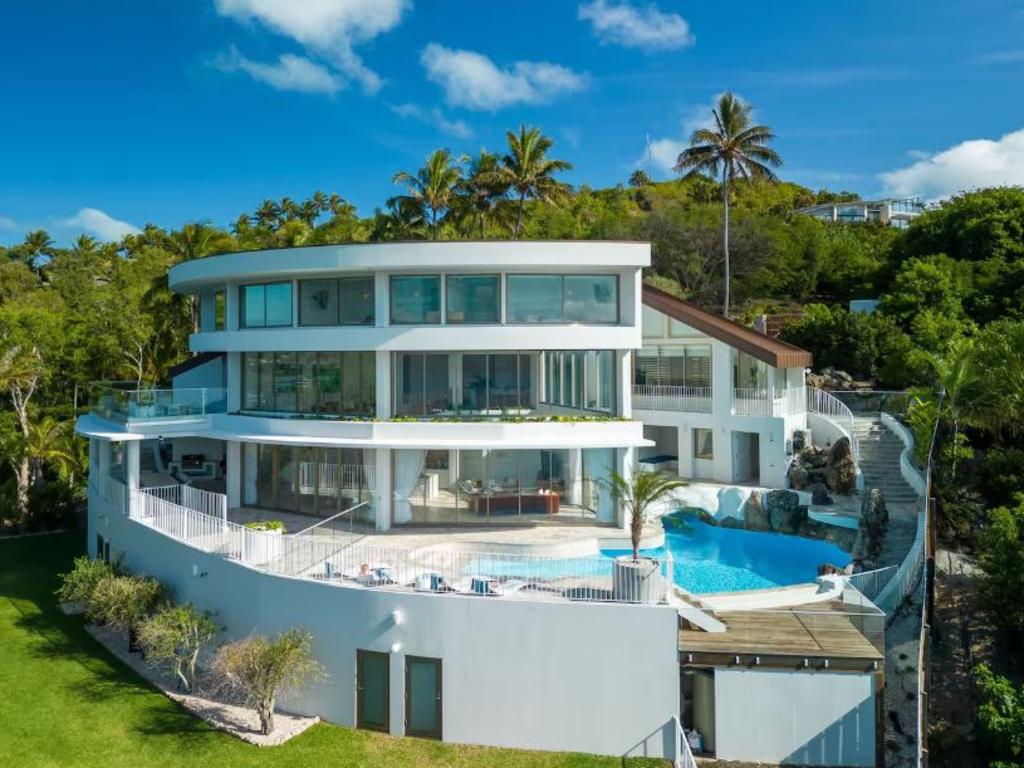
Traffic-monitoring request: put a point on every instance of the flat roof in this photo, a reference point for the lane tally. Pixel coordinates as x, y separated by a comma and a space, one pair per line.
777, 354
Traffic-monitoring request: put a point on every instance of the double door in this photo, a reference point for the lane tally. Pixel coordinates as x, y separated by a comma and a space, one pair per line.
422, 694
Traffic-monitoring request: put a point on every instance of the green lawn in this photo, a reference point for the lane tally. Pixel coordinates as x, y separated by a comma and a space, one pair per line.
64, 701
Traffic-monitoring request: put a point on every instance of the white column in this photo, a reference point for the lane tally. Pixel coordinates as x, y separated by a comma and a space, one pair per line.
131, 473
383, 384
233, 479
231, 307
624, 383
248, 459
381, 299
624, 461
384, 493
233, 380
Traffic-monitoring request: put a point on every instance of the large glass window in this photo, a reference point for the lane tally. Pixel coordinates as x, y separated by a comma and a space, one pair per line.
421, 384
472, 298
415, 299
581, 380
304, 479
266, 305
358, 304
563, 298
534, 298
674, 366
318, 302
329, 383
591, 299
219, 310
653, 323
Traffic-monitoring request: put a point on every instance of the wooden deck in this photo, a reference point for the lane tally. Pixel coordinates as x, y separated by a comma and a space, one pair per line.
821, 632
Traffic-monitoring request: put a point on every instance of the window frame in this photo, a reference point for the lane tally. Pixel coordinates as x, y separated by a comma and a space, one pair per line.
509, 279
242, 289
337, 303
220, 309
448, 277
697, 454
438, 276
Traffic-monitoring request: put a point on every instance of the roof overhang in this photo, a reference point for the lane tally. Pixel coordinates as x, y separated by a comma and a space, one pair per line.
777, 354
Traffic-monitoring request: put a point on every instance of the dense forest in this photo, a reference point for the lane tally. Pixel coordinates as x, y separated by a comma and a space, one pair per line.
950, 325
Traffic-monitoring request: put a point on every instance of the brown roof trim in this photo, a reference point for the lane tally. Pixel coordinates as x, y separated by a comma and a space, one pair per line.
193, 362
776, 353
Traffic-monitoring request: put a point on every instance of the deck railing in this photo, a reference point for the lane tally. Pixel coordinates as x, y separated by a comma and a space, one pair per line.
827, 405
347, 560
761, 401
142, 404
650, 397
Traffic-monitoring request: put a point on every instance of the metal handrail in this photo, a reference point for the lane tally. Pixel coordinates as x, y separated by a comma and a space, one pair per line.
684, 759
332, 517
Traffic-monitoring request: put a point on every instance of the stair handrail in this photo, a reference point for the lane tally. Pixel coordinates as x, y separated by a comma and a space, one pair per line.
824, 403
684, 756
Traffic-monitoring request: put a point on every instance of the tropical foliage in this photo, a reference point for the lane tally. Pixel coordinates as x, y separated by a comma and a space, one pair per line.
637, 493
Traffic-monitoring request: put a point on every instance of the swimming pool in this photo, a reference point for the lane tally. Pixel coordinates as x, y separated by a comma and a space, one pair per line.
706, 558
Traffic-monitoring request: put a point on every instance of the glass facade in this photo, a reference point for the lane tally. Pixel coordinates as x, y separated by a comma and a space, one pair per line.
580, 380
337, 301
674, 366
563, 299
324, 383
219, 310
441, 384
472, 299
267, 305
415, 299
501, 486
308, 480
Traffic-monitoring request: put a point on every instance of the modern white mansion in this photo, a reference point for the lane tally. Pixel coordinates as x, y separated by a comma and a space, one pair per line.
442, 419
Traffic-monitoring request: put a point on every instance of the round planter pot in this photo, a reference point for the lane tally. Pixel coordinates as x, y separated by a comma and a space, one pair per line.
265, 547
635, 581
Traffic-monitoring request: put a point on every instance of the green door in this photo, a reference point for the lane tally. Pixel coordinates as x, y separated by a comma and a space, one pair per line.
373, 690
423, 697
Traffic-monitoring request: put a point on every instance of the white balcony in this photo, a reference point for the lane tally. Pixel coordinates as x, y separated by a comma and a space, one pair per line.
766, 402
650, 397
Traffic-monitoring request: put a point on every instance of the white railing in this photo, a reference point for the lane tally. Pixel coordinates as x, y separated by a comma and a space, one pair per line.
669, 398
904, 582
764, 402
835, 410
343, 559
334, 478
684, 758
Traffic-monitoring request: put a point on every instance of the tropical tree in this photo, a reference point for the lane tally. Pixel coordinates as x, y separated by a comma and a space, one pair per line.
637, 494
530, 173
176, 635
38, 244
267, 215
432, 189
733, 148
480, 192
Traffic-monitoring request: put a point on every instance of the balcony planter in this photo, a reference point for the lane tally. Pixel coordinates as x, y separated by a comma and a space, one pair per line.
265, 543
635, 581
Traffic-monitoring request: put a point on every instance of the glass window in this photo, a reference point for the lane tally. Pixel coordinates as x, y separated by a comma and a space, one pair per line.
358, 304
653, 323
328, 381
254, 309
591, 299
318, 302
703, 447
219, 310
266, 306
698, 366
472, 298
534, 298
474, 382
415, 299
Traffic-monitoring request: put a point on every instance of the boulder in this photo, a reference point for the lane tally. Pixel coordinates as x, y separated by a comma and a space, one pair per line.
840, 469
798, 477
785, 511
755, 515
874, 517
817, 476
799, 440
820, 495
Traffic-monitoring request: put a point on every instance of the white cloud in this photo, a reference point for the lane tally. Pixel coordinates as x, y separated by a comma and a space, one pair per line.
647, 28
968, 165
97, 223
665, 151
472, 80
329, 28
289, 73
434, 117
8, 224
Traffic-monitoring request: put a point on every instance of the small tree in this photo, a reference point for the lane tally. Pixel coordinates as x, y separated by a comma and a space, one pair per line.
637, 494
176, 635
261, 668
122, 602
79, 584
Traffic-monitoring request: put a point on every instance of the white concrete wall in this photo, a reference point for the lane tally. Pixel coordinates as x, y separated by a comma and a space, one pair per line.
808, 718
516, 673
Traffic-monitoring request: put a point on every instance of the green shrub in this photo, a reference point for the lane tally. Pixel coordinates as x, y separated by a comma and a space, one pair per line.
78, 584
51, 506
265, 525
1001, 558
1000, 713
176, 635
1001, 475
123, 602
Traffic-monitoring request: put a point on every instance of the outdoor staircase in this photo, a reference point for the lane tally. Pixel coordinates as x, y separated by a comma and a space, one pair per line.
879, 462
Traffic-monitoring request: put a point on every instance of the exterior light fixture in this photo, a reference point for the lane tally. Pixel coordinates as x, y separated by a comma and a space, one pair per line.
397, 618
396, 647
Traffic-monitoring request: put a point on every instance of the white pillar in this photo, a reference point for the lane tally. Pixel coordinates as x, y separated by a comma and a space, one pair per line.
624, 383
384, 493
233, 380
249, 460
131, 473
624, 462
233, 479
383, 384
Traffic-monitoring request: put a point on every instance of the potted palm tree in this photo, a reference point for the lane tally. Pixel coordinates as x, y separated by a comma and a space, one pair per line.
633, 576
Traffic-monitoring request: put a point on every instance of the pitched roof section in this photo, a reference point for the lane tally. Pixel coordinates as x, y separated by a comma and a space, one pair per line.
776, 353
193, 362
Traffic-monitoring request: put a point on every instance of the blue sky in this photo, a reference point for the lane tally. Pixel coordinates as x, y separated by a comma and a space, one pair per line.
117, 113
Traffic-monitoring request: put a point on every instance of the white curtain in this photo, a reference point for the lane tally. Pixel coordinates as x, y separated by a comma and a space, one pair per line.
408, 468
572, 475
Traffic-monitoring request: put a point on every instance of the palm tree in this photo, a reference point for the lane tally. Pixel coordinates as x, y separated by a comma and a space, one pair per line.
733, 148
267, 215
529, 173
289, 209
38, 244
309, 211
432, 188
480, 191
637, 494
639, 179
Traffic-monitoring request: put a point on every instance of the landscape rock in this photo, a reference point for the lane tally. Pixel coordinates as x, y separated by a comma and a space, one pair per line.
755, 515
874, 518
841, 470
798, 477
829, 378
785, 512
820, 494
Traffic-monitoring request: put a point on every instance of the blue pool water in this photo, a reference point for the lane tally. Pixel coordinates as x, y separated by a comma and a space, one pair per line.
709, 558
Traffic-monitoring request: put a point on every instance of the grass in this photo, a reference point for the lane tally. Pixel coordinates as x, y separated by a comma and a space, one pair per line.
64, 701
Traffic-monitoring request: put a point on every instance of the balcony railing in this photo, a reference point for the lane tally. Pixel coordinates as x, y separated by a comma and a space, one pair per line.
124, 405
764, 402
650, 397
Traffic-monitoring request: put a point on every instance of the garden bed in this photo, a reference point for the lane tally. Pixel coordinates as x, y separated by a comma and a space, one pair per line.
226, 716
